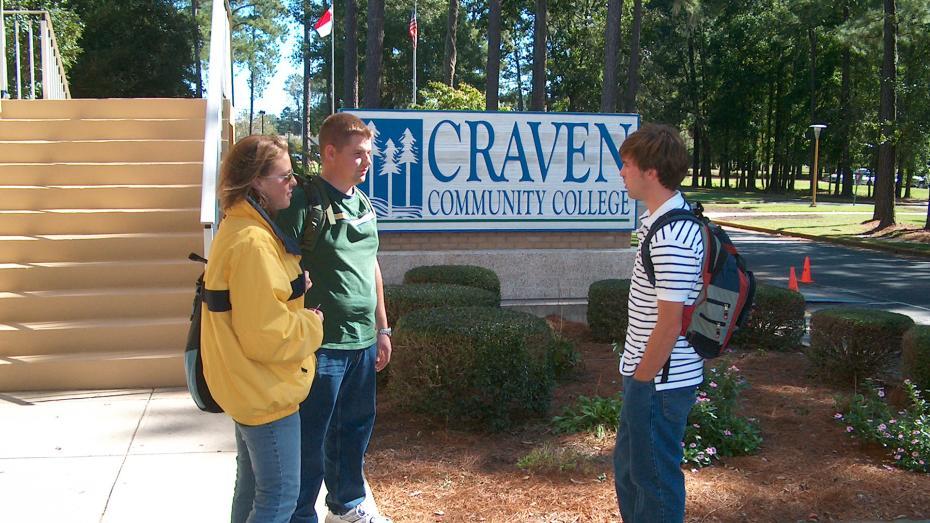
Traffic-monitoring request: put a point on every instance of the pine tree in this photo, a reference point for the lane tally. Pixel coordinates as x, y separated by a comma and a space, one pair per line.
408, 157
389, 168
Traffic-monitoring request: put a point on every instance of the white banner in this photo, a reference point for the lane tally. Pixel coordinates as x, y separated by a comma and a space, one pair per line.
439, 171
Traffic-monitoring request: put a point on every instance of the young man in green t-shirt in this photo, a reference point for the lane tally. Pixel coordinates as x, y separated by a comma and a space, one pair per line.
338, 416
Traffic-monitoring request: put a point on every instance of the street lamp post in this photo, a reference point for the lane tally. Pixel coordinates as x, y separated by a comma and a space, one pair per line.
261, 114
817, 128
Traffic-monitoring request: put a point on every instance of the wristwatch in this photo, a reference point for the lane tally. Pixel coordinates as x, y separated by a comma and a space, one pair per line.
387, 331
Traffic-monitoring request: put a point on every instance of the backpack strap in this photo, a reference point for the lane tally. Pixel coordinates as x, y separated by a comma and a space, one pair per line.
319, 212
671, 216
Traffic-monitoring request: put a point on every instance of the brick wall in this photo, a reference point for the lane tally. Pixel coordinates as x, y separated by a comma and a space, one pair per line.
459, 241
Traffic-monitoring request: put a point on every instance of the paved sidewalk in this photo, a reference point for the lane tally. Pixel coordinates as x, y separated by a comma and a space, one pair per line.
114, 456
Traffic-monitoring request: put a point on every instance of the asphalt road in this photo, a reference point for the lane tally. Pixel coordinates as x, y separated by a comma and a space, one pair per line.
874, 279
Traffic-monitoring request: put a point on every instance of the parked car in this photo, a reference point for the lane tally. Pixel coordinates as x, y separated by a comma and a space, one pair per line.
863, 176
920, 181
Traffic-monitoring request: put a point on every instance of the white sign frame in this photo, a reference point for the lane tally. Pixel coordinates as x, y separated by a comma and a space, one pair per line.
461, 165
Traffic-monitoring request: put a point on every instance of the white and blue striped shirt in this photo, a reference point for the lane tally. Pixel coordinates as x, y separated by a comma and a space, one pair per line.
677, 251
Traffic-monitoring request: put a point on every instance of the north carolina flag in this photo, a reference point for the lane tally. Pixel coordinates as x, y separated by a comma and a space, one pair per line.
412, 28
324, 25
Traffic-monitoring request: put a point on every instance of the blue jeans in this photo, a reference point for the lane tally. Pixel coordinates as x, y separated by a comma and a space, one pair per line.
267, 471
647, 458
336, 422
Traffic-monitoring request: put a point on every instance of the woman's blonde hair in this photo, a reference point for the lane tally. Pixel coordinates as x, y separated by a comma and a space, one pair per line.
248, 159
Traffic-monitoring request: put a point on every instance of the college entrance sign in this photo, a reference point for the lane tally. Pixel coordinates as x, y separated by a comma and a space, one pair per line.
498, 171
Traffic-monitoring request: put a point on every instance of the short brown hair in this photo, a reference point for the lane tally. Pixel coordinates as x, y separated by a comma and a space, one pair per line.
659, 147
339, 127
248, 159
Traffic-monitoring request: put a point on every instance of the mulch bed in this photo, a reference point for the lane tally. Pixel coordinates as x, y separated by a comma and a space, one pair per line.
808, 468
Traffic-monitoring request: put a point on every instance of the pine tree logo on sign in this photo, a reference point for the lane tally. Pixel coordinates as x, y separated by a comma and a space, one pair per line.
395, 181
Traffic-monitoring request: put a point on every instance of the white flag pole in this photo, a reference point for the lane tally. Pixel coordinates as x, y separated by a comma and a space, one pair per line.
332, 63
415, 38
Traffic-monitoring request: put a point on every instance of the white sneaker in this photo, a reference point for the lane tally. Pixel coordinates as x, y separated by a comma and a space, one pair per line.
357, 515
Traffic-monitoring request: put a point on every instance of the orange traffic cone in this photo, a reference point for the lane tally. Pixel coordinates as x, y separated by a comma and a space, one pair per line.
806, 273
793, 281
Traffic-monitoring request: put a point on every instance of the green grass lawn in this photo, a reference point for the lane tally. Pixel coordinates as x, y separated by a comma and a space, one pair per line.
802, 190
848, 227
757, 208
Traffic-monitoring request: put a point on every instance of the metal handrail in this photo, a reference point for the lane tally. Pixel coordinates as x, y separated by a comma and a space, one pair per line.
219, 87
54, 81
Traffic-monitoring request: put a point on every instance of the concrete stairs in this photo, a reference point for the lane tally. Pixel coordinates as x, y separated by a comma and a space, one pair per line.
99, 207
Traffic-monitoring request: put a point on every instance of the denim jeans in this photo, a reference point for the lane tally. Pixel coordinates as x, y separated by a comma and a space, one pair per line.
647, 458
267, 471
336, 422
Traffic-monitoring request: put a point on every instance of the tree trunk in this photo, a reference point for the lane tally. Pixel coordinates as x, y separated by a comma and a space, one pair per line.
538, 102
195, 5
305, 110
350, 57
696, 157
252, 83
611, 56
373, 51
844, 170
775, 176
516, 61
450, 54
494, 56
701, 143
812, 40
766, 151
884, 181
632, 72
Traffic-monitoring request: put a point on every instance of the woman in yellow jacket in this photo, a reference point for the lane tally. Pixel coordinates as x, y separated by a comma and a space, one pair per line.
258, 341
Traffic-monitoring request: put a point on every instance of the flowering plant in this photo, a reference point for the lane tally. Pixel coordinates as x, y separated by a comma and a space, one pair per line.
905, 433
714, 427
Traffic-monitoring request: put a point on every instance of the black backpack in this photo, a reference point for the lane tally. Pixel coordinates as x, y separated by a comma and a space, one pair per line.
725, 299
193, 363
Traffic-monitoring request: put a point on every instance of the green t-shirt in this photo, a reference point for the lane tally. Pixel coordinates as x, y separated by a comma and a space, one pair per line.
341, 266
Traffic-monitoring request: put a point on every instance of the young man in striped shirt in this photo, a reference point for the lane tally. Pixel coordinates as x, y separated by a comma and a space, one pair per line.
647, 458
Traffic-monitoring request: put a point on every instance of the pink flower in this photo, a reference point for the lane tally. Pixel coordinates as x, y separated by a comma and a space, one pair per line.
693, 445
837, 416
713, 384
713, 450
897, 456
881, 393
849, 428
882, 427
727, 432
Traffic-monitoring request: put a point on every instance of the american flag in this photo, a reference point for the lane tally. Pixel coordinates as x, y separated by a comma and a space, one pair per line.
412, 28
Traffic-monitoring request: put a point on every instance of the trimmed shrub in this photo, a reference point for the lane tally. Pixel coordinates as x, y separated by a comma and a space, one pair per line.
607, 310
468, 275
481, 367
776, 321
915, 357
401, 299
849, 344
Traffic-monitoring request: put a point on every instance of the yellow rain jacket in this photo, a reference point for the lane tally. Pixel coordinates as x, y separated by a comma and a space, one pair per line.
258, 340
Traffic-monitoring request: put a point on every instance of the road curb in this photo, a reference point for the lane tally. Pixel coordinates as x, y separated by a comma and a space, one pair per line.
838, 241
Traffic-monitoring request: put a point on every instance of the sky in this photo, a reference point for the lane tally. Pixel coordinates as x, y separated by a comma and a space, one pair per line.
275, 97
